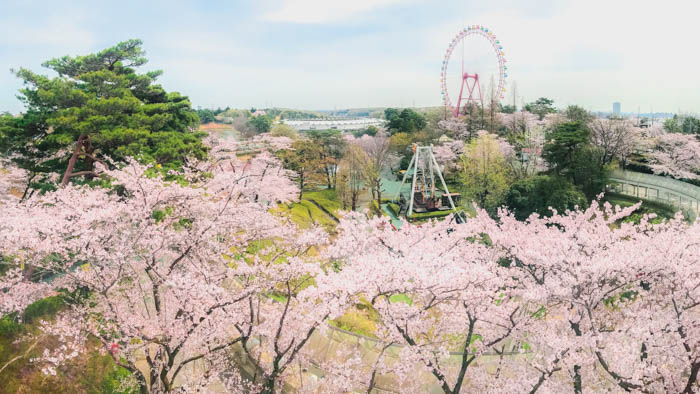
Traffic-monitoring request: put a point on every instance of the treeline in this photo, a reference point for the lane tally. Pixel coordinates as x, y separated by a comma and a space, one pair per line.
228, 115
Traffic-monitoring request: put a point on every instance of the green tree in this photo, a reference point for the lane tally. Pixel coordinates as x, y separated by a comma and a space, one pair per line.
99, 106
351, 176
562, 144
539, 193
691, 125
370, 131
260, 123
570, 154
303, 160
589, 171
405, 121
8, 128
574, 113
508, 109
672, 126
206, 115
542, 106
284, 130
331, 147
484, 172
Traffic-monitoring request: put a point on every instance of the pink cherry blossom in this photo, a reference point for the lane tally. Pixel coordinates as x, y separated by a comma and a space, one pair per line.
677, 155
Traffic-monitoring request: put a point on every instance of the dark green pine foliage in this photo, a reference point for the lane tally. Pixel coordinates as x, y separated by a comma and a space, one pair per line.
571, 155
539, 193
97, 107
562, 145
404, 121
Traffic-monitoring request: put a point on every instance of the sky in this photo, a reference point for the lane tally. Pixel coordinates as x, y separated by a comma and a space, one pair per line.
333, 54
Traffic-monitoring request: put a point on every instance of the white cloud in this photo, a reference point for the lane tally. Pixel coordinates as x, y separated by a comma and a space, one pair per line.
323, 11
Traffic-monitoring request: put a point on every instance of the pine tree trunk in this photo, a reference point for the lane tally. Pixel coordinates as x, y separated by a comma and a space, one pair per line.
90, 150
73, 160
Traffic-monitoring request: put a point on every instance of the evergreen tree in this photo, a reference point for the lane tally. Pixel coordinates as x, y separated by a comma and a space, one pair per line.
99, 106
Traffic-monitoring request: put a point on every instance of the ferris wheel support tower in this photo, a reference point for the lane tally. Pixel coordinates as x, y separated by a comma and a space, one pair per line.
471, 100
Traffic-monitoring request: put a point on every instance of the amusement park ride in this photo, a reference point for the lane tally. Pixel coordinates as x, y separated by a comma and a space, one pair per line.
425, 194
473, 94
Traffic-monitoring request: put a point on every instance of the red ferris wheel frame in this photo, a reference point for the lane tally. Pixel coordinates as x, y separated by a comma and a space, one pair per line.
475, 86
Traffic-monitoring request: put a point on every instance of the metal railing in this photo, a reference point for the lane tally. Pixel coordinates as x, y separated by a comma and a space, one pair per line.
677, 194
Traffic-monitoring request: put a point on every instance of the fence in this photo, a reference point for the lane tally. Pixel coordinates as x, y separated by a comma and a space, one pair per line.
679, 195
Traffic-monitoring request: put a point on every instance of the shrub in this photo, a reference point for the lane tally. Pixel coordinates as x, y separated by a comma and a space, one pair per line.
429, 215
395, 208
538, 193
9, 325
43, 308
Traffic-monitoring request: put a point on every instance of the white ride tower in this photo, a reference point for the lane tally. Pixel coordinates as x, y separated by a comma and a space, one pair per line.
424, 192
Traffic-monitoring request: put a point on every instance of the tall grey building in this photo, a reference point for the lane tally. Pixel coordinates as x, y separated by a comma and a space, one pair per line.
617, 108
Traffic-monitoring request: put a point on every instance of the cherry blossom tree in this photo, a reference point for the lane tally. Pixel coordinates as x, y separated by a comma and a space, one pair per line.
275, 143
351, 176
300, 297
527, 134
617, 138
12, 181
178, 278
521, 122
620, 304
677, 155
378, 157
459, 128
134, 255
596, 305
447, 155
153, 257
442, 296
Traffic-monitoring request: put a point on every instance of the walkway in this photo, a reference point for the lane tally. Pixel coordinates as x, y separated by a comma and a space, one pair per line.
680, 195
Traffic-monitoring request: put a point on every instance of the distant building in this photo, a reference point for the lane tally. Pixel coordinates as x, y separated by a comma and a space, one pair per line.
617, 108
335, 124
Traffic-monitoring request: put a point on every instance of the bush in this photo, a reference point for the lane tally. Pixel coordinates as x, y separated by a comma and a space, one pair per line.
43, 308
9, 326
589, 175
538, 193
429, 215
395, 208
638, 167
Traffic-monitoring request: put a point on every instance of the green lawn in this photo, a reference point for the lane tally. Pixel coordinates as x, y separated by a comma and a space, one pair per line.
326, 198
306, 214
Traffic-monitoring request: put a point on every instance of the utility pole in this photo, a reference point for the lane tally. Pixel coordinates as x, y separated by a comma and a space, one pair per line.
638, 114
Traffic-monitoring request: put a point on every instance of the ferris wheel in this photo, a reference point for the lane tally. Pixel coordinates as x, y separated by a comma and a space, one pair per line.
469, 62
